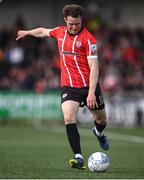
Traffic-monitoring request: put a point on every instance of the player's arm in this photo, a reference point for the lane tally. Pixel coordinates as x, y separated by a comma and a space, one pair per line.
38, 32
93, 79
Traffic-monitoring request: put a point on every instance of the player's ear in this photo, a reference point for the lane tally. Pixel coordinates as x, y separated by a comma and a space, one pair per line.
65, 19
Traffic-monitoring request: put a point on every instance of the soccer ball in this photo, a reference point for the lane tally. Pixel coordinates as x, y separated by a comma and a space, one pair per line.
98, 162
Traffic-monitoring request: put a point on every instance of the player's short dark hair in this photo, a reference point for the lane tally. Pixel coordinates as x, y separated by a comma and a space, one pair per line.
73, 10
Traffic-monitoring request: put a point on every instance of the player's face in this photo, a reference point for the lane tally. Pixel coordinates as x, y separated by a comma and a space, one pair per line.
73, 24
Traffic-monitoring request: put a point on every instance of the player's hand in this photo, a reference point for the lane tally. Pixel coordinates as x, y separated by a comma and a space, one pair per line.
91, 101
21, 34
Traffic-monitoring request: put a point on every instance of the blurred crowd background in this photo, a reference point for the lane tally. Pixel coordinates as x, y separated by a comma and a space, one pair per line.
30, 72
32, 64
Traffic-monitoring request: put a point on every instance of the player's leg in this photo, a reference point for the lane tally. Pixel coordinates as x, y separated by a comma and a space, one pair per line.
70, 109
100, 121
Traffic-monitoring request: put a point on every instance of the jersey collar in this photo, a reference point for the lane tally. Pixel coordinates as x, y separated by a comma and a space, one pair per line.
77, 33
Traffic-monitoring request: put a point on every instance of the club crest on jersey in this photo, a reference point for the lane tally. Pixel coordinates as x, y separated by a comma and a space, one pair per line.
78, 44
93, 47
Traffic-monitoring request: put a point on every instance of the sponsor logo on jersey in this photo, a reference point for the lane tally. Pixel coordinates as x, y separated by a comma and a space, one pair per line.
69, 53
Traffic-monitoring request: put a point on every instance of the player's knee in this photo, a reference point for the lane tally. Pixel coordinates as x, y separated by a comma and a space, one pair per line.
69, 119
102, 120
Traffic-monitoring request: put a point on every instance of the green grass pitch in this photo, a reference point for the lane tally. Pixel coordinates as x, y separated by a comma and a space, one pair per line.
27, 153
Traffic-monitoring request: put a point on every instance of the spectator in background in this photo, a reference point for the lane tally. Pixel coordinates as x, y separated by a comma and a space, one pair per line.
120, 53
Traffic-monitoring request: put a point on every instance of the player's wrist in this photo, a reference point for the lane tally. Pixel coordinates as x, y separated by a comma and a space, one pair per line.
91, 92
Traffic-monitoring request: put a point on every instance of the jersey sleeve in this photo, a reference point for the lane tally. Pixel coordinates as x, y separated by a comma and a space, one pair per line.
91, 48
53, 32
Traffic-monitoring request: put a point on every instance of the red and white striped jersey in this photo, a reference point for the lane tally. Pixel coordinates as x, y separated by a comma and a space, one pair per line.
74, 52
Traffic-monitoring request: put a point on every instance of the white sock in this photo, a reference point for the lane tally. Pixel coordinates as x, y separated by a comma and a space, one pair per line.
78, 156
98, 133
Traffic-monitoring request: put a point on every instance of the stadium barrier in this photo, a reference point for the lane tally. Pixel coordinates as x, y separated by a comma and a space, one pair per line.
30, 106
123, 111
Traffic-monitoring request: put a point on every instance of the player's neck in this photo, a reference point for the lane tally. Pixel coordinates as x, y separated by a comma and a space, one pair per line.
77, 33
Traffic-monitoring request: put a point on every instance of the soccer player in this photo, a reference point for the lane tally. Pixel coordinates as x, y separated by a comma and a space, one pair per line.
79, 77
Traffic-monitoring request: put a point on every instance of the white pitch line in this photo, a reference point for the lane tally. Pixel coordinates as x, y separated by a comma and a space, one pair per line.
125, 137
110, 135
121, 137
